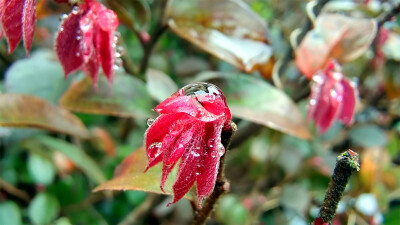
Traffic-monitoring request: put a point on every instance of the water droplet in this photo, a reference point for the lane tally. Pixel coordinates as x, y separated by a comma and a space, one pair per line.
210, 143
77, 54
202, 92
197, 173
195, 154
75, 10
313, 102
221, 149
61, 29
78, 37
154, 149
150, 121
63, 17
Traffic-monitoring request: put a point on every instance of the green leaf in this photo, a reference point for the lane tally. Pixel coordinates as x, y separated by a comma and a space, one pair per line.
43, 209
41, 169
127, 97
392, 216
40, 75
159, 85
79, 157
231, 211
130, 175
255, 100
63, 221
368, 135
10, 213
18, 110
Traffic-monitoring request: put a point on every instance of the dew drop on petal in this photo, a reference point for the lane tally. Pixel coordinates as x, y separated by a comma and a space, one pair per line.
221, 149
154, 149
210, 142
63, 17
75, 10
150, 121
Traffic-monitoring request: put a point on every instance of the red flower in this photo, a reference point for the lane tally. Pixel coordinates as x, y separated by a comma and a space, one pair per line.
86, 38
189, 128
332, 97
18, 18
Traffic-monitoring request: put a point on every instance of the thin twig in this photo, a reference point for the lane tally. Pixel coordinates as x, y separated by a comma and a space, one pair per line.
388, 15
148, 47
221, 185
9, 188
134, 216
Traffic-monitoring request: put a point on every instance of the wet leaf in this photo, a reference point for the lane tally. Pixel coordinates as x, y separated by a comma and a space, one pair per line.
41, 169
159, 85
368, 135
129, 175
228, 29
135, 13
10, 213
127, 97
255, 100
77, 155
18, 110
334, 36
43, 209
44, 73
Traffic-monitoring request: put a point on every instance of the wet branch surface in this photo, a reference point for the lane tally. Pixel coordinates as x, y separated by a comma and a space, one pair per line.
221, 185
346, 164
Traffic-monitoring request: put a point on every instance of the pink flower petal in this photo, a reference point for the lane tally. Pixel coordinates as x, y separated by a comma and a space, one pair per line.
11, 20
67, 44
87, 34
210, 160
175, 150
107, 20
349, 102
91, 67
29, 23
188, 168
106, 49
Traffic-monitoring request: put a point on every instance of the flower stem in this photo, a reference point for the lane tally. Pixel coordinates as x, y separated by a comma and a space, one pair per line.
346, 164
221, 185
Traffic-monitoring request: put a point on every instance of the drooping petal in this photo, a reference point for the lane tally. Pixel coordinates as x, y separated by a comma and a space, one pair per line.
188, 168
29, 23
210, 160
11, 20
67, 44
1, 13
106, 49
349, 102
160, 127
174, 151
329, 106
87, 34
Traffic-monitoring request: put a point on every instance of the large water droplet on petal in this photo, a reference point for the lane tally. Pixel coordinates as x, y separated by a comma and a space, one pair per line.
153, 150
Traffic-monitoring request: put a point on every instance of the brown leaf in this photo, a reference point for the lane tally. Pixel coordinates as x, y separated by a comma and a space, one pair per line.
127, 97
129, 175
334, 36
106, 141
228, 29
19, 110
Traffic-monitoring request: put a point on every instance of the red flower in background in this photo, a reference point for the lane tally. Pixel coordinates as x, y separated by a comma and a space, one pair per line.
86, 39
332, 97
189, 128
18, 19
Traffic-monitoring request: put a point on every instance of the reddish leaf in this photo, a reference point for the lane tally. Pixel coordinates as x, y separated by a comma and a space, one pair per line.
228, 29
334, 36
11, 20
129, 176
67, 44
189, 128
18, 110
29, 23
106, 48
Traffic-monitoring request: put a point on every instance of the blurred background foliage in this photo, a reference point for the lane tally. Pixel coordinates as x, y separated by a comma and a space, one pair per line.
278, 166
